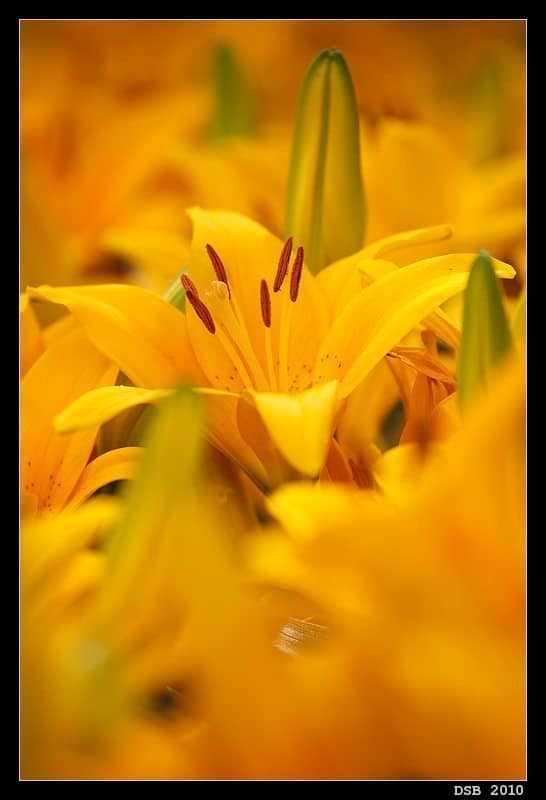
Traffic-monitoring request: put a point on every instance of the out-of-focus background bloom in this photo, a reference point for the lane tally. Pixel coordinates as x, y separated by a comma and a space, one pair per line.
120, 133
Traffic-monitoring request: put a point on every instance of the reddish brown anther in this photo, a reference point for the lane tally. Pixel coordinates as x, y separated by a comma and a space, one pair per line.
218, 266
265, 300
295, 277
202, 311
282, 269
189, 285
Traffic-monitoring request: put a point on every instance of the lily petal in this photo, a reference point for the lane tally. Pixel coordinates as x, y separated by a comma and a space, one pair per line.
59, 328
103, 404
399, 241
224, 433
344, 279
377, 319
49, 544
443, 327
300, 425
425, 363
116, 465
399, 471
145, 336
365, 410
51, 463
32, 341
298, 506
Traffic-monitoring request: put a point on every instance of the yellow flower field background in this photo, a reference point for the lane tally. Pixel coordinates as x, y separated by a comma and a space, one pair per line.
272, 462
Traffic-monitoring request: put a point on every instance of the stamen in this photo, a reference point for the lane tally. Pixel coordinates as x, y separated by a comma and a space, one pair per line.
218, 266
265, 301
282, 269
286, 314
295, 277
236, 357
284, 335
189, 285
202, 311
234, 337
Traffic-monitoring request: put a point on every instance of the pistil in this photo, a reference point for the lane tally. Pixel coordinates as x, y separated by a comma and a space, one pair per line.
233, 321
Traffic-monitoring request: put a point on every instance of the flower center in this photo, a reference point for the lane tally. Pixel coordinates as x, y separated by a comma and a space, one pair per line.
222, 317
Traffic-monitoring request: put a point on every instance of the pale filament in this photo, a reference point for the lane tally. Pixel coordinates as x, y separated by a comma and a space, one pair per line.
236, 338
230, 327
284, 332
265, 302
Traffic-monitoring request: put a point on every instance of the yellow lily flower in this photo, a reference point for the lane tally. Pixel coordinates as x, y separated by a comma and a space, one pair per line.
425, 587
427, 391
257, 339
415, 176
58, 471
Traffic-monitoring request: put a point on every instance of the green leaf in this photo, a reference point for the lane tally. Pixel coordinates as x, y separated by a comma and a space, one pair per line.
325, 198
234, 113
175, 293
167, 476
485, 333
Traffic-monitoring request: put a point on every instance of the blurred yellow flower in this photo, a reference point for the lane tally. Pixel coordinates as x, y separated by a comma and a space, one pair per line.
416, 177
116, 123
425, 588
401, 652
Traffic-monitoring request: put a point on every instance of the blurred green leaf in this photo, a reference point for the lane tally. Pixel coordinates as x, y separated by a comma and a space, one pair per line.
485, 334
234, 113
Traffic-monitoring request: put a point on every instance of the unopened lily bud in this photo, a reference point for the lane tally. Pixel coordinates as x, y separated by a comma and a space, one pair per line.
485, 333
325, 200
